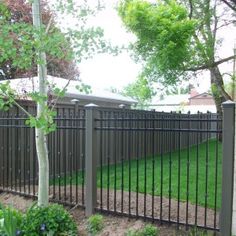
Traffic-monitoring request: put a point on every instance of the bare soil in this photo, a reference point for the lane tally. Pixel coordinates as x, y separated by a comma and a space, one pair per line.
141, 204
113, 225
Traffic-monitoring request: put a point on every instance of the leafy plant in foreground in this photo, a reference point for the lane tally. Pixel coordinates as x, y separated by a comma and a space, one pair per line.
148, 230
51, 220
95, 224
10, 221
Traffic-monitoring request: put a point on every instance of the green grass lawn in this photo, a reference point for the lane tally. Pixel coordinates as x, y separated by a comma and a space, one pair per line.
130, 174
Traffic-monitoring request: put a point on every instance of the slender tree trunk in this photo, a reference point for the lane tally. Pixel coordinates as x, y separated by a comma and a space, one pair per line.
42, 153
40, 135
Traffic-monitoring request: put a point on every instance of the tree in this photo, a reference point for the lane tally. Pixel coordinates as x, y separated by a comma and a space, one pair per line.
30, 46
140, 90
18, 11
179, 90
175, 41
231, 4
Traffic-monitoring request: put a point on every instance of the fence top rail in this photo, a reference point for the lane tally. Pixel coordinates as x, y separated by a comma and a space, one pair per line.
57, 127
128, 110
158, 119
160, 129
55, 119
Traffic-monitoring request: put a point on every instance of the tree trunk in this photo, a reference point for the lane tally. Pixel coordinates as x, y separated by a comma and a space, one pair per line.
40, 135
218, 91
43, 163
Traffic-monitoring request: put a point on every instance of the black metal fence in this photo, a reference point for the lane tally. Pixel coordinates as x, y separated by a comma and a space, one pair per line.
66, 146
160, 166
164, 167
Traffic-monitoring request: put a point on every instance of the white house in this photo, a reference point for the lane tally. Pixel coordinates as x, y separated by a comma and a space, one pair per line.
193, 102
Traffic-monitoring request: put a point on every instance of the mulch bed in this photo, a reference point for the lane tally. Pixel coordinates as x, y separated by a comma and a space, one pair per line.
118, 225
151, 206
113, 225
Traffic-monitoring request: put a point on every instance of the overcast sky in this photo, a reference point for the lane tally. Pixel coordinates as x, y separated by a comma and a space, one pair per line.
105, 71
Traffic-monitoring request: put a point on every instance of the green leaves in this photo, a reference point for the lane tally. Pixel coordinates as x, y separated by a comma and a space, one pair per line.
163, 33
95, 224
44, 122
10, 220
140, 90
59, 92
84, 88
51, 220
21, 44
7, 96
37, 97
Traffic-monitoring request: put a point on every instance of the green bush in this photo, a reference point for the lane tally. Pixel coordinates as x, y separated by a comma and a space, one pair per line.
10, 221
150, 230
95, 224
51, 220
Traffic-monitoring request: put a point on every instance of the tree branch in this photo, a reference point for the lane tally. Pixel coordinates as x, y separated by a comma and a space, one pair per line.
57, 98
226, 24
191, 9
207, 66
229, 5
22, 108
49, 24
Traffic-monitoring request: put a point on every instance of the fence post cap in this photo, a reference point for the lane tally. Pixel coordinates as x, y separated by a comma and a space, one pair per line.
122, 106
74, 101
228, 104
90, 105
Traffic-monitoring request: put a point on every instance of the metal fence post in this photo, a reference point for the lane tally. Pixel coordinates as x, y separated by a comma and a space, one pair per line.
227, 168
90, 160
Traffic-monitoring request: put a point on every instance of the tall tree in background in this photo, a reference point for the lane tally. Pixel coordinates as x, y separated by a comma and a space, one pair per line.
175, 41
140, 90
231, 4
19, 11
26, 45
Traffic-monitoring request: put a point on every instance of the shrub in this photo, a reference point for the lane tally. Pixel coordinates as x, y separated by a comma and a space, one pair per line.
150, 230
10, 221
95, 224
51, 220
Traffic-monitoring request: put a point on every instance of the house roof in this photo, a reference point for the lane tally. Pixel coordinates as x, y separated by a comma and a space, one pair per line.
25, 85
200, 95
181, 103
171, 100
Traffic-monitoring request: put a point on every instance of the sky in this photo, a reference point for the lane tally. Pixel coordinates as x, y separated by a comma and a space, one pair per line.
104, 71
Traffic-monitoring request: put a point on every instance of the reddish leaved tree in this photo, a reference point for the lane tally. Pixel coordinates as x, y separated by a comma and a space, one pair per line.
20, 11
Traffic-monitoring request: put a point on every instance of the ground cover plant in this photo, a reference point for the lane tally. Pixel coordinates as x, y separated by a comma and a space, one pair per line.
148, 230
51, 220
10, 221
95, 224
205, 166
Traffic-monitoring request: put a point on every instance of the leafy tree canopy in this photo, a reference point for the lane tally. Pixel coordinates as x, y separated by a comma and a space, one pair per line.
20, 42
176, 39
163, 33
141, 90
16, 25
